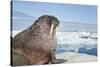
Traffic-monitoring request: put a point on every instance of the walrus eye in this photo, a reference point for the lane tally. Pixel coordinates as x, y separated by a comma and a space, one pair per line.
51, 29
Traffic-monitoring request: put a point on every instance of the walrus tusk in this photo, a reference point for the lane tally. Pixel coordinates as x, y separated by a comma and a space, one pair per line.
51, 28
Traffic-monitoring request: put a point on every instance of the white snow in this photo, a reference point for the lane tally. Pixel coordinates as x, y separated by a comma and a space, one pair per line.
76, 40
73, 57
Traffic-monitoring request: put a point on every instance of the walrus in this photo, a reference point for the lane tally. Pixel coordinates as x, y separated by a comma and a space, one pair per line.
36, 44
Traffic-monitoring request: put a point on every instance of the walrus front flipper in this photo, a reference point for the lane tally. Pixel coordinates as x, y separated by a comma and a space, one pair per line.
58, 61
54, 60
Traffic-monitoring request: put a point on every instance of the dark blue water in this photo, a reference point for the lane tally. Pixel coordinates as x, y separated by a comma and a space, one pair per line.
92, 51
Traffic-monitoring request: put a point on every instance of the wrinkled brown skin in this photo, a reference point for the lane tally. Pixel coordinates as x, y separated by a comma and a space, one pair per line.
34, 45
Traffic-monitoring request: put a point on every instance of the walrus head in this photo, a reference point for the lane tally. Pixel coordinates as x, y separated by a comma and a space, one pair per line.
43, 32
47, 24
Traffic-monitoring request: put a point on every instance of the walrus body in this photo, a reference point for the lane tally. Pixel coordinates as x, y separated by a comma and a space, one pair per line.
36, 44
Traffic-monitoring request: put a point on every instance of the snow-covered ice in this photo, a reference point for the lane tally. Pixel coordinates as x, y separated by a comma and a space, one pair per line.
76, 40
73, 57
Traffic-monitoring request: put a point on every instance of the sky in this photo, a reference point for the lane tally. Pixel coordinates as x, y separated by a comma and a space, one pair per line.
85, 14
64, 12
